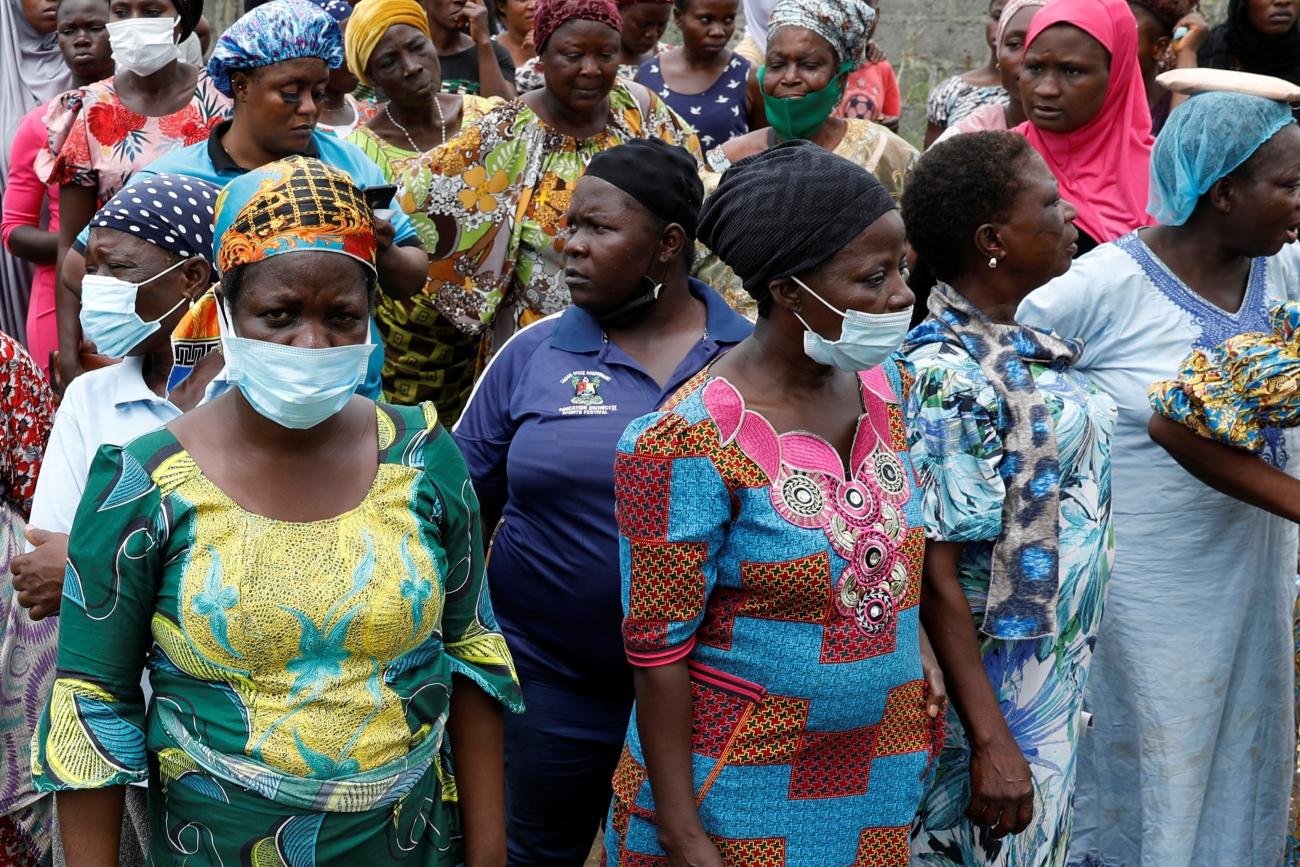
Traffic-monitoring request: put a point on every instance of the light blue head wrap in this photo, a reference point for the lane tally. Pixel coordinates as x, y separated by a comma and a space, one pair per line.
274, 32
1204, 139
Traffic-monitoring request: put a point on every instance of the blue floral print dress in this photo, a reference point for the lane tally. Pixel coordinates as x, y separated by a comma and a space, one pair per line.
954, 420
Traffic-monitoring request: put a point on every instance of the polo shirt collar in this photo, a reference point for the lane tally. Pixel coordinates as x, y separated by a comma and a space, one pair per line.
578, 330
221, 160
130, 386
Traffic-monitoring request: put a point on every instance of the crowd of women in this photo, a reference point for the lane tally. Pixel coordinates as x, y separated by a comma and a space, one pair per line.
838, 497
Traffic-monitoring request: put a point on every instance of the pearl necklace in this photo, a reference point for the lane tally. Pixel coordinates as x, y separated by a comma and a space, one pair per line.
442, 125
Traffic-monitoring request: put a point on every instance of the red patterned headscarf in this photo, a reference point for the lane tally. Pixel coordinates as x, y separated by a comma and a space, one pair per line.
551, 14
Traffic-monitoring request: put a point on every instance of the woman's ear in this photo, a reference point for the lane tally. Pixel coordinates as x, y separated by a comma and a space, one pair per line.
672, 242
198, 277
785, 293
988, 242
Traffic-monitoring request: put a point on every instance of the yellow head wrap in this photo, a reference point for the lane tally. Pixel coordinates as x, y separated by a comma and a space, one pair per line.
370, 21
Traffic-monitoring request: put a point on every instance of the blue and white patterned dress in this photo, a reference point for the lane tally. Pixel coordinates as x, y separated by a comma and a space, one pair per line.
719, 113
954, 419
1189, 759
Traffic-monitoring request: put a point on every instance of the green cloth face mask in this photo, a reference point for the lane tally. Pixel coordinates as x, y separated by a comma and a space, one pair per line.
800, 116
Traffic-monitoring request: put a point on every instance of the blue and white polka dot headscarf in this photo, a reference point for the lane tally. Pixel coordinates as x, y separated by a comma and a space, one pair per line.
172, 212
273, 33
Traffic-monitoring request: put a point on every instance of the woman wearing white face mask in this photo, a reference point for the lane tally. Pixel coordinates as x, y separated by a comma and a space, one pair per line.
771, 548
308, 569
101, 134
146, 263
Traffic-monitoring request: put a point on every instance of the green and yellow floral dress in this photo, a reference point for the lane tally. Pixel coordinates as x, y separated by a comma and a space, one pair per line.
497, 195
426, 357
301, 672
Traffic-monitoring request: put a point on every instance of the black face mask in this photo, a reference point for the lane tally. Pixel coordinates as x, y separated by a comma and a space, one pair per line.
628, 311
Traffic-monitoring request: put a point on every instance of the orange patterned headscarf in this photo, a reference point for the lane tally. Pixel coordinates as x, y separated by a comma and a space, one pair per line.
292, 205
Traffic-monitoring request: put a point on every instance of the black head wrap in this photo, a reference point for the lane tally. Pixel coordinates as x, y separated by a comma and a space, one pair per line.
662, 177
787, 210
189, 11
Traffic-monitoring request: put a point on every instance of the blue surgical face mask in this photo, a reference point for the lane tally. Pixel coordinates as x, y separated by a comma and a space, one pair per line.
293, 387
108, 317
865, 340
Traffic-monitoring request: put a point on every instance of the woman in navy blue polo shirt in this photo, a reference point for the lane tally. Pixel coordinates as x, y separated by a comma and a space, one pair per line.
539, 436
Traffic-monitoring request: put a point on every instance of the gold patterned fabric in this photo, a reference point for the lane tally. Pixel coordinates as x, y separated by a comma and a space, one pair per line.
292, 205
1237, 391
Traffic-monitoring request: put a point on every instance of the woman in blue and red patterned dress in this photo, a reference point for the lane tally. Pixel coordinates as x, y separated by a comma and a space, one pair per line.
771, 543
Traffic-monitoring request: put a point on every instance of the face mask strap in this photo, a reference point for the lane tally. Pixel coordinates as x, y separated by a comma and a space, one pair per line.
163, 272
829, 306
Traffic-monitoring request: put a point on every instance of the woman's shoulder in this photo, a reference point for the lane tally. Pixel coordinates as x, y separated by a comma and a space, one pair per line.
941, 367
407, 432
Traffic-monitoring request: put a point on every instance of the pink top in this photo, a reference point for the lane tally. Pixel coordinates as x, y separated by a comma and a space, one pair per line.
24, 199
986, 118
96, 141
1104, 166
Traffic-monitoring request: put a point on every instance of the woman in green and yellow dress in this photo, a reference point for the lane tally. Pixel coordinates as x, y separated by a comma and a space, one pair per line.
500, 190
388, 45
301, 570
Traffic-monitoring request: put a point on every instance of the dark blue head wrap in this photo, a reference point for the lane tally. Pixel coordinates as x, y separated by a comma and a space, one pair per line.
172, 212
273, 33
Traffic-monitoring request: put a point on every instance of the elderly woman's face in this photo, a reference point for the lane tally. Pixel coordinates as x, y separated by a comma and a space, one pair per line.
580, 64
282, 102
1064, 78
613, 242
1039, 232
866, 275
1266, 196
113, 253
309, 299
404, 65
799, 62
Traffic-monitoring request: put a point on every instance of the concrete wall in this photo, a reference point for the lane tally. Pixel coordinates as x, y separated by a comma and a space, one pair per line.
927, 41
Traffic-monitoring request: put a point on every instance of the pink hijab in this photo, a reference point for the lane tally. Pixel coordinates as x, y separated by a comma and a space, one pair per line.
1104, 166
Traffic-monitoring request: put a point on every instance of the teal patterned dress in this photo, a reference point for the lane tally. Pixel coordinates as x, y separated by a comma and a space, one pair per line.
954, 421
302, 672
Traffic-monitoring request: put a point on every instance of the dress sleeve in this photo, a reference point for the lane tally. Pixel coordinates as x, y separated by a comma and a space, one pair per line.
1078, 304
664, 123
66, 158
91, 735
505, 61
672, 508
475, 647
28, 412
956, 448
474, 197
936, 106
24, 193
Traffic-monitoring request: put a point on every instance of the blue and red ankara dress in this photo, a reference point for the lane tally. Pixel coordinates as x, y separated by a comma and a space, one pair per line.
791, 589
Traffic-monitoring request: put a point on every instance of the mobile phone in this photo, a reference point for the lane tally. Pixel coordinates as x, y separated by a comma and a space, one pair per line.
379, 197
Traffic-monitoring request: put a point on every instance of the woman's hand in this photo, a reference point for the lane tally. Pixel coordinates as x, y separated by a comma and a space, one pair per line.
936, 699
38, 576
1002, 788
1198, 30
476, 16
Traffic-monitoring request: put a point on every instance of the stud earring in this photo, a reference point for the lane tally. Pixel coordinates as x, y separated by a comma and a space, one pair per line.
993, 262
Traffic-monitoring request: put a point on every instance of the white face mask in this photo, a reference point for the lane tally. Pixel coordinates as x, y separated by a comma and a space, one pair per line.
866, 339
143, 45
